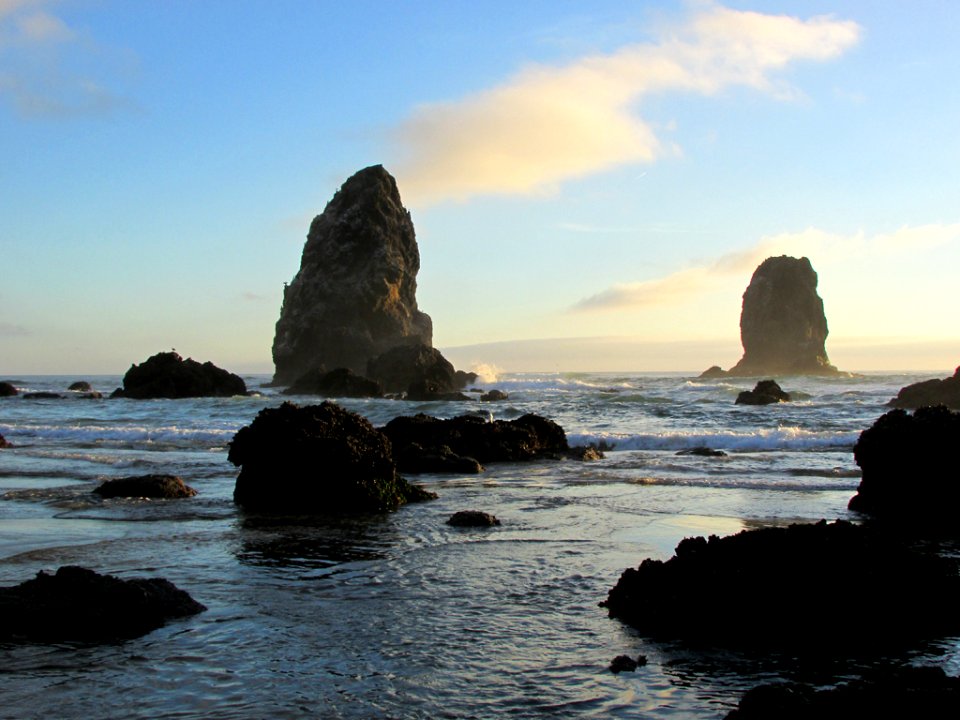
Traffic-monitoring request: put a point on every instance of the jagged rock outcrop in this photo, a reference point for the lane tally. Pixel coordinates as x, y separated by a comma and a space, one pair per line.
711, 591
167, 375
909, 465
783, 328
316, 459
930, 392
77, 604
166, 487
354, 296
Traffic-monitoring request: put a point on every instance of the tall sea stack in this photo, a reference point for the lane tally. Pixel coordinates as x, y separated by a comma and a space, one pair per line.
354, 296
782, 325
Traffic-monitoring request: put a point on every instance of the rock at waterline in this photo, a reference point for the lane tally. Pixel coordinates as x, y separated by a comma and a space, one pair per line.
494, 396
354, 296
407, 368
765, 392
909, 465
167, 375
4, 443
80, 386
80, 605
783, 327
768, 588
930, 392
341, 382
167, 487
8, 389
316, 459
473, 518
702, 451
625, 663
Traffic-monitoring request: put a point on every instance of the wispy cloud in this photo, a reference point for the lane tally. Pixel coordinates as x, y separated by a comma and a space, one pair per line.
549, 124
39, 56
822, 247
9, 329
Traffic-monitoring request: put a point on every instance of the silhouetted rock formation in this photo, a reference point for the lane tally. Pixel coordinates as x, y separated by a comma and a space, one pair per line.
909, 465
625, 663
166, 487
468, 436
167, 375
897, 692
77, 604
80, 386
765, 392
3, 442
8, 389
930, 392
354, 296
494, 396
341, 382
416, 367
316, 459
781, 587
472, 518
782, 325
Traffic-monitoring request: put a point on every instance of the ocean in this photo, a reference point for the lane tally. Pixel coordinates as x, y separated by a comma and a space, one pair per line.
401, 615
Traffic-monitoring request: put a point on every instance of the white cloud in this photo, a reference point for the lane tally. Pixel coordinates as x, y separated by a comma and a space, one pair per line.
824, 250
549, 124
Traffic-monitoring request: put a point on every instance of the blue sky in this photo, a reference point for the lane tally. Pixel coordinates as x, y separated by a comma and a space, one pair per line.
592, 183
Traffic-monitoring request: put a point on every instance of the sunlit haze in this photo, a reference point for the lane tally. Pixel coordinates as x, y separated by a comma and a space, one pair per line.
592, 184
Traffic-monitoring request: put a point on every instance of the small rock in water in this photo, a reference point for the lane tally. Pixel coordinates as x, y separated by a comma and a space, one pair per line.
702, 451
8, 389
80, 386
766, 392
625, 663
472, 518
146, 486
494, 396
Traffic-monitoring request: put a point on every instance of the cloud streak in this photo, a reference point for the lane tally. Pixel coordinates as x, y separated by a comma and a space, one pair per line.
823, 248
550, 124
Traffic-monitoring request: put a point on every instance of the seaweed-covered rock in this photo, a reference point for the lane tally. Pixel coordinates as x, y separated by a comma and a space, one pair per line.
526, 438
316, 459
765, 392
8, 389
341, 382
898, 692
909, 465
473, 518
788, 587
167, 375
930, 392
80, 604
167, 487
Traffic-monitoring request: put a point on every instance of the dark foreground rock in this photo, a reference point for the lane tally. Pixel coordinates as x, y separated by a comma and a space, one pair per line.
765, 392
783, 328
909, 465
167, 375
930, 392
788, 587
167, 487
316, 459
341, 382
526, 438
625, 663
354, 296
8, 389
80, 605
472, 518
899, 692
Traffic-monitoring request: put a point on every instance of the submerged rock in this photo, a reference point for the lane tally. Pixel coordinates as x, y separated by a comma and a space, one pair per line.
80, 605
167, 375
8, 389
930, 392
897, 692
354, 296
702, 451
783, 328
341, 382
316, 459
909, 465
765, 392
43, 395
782, 587
526, 438
146, 486
472, 518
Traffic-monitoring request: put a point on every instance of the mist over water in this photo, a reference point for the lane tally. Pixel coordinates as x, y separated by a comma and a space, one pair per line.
400, 615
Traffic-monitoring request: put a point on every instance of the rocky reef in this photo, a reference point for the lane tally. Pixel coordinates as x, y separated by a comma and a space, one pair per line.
783, 327
77, 604
909, 466
930, 392
780, 587
167, 487
167, 375
319, 459
354, 296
